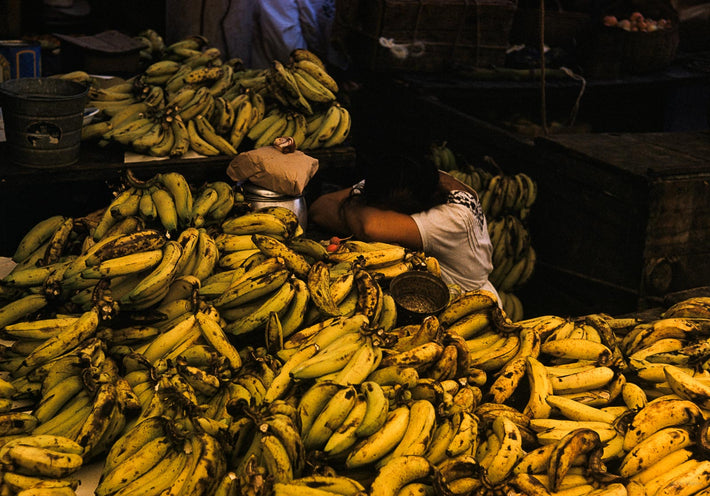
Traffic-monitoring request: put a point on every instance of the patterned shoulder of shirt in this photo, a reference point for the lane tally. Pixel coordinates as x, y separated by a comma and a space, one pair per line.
468, 200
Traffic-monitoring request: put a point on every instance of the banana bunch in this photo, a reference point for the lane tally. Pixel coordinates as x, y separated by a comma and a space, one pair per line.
499, 451
337, 348
24, 337
680, 341
501, 194
493, 340
509, 194
30, 355
697, 306
276, 122
153, 45
113, 98
163, 201
193, 338
455, 437
159, 456
250, 298
243, 108
278, 222
17, 424
302, 84
427, 351
267, 442
184, 48
513, 255
7, 393
335, 484
46, 248
406, 431
512, 305
190, 99
476, 177
382, 260
83, 398
458, 475
445, 159
212, 203
575, 462
327, 128
108, 270
34, 464
78, 76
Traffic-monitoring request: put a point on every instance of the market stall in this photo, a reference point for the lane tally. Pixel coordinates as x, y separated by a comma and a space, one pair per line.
165, 333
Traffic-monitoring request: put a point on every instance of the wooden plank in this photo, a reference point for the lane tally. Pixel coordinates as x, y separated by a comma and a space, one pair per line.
637, 153
108, 164
693, 147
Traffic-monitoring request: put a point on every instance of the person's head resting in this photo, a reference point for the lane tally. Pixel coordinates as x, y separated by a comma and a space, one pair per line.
401, 183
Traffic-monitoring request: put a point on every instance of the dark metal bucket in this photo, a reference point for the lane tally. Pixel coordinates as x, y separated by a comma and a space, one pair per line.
43, 119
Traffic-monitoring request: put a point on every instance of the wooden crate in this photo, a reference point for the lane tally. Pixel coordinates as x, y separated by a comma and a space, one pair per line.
629, 211
424, 35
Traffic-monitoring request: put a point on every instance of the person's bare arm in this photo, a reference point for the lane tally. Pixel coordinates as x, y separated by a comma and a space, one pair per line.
325, 211
364, 222
373, 224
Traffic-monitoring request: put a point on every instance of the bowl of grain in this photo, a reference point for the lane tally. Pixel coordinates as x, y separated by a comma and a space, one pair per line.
418, 294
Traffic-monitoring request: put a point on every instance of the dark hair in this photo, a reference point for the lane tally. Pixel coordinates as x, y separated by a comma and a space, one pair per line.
401, 183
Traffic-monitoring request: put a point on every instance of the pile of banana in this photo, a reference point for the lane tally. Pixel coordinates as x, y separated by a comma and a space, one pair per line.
191, 99
228, 354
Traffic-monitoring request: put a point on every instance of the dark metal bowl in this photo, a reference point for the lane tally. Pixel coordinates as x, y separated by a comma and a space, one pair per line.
417, 295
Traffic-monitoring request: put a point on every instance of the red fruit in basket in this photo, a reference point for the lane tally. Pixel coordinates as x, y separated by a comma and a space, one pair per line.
332, 247
636, 17
610, 21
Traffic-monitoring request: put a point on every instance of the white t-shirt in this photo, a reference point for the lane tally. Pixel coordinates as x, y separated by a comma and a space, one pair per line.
456, 234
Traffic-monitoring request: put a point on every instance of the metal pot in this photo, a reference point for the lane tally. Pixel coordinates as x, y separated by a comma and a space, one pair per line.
261, 197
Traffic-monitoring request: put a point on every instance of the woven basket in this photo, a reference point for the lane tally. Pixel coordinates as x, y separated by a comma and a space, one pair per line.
615, 53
